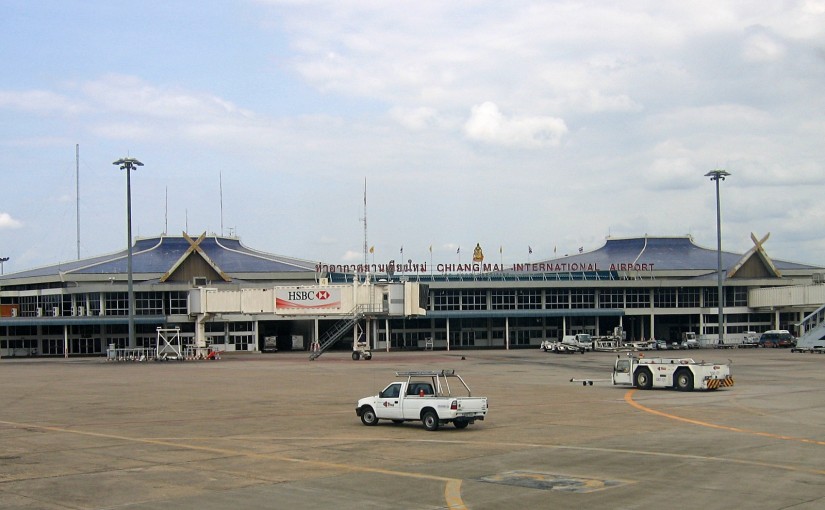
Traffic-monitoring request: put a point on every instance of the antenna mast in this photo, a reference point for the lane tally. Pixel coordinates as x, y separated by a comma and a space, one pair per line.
77, 192
220, 186
365, 226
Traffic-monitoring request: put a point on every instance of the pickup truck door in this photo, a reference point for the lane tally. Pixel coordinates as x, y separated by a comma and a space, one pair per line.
419, 395
388, 403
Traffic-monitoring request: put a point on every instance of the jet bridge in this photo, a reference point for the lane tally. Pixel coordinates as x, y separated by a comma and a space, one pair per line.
324, 301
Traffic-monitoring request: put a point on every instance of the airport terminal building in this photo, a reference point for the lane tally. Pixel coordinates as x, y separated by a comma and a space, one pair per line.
651, 287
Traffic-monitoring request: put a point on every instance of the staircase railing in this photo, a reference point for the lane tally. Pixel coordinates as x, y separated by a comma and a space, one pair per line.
337, 331
812, 329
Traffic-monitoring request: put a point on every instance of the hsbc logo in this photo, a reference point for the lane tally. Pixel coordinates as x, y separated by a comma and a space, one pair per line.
308, 299
308, 295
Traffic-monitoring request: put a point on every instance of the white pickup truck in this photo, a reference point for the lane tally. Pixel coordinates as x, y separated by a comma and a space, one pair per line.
424, 396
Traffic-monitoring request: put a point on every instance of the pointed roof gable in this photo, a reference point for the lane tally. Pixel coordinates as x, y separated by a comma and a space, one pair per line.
755, 263
194, 249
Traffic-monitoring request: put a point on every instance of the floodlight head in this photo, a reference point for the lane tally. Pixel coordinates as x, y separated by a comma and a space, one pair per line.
127, 163
717, 175
4, 259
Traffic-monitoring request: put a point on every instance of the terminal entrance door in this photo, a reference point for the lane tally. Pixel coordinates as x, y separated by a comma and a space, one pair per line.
463, 338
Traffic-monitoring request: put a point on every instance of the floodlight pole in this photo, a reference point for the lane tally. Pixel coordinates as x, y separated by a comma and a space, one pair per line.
129, 164
719, 175
3, 260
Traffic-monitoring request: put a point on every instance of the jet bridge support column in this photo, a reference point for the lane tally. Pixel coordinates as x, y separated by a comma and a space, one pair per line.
200, 329
387, 330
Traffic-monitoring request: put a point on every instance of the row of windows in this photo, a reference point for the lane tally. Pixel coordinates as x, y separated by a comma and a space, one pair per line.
176, 302
551, 299
107, 303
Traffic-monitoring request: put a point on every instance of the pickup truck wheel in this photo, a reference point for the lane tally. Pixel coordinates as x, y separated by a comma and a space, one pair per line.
430, 420
643, 378
368, 416
355, 355
684, 381
460, 424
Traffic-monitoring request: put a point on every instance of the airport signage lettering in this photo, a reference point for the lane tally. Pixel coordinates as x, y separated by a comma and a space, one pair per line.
475, 267
564, 267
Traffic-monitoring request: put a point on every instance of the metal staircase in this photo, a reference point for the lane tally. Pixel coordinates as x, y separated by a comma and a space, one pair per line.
337, 331
812, 331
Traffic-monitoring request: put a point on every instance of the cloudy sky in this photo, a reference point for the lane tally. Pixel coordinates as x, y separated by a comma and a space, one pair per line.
549, 125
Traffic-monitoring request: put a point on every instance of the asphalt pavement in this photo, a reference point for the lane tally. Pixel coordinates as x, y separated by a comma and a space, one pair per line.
277, 431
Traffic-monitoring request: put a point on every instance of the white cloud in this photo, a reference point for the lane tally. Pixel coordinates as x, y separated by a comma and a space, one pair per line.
488, 124
760, 46
40, 101
132, 95
6, 221
416, 118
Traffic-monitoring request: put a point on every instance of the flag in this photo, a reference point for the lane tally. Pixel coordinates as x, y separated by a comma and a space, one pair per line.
529, 249
581, 249
372, 249
431, 248
501, 249
458, 250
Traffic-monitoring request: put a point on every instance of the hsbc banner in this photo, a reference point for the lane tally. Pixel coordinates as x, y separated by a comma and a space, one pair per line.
308, 299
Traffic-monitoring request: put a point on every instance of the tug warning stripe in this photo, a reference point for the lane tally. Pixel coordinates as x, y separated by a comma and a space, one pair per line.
720, 383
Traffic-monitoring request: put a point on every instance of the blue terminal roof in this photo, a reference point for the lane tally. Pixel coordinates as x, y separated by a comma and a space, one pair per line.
645, 254
159, 255
664, 253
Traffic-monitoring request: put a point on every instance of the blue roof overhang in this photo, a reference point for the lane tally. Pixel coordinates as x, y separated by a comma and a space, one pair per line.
501, 314
80, 321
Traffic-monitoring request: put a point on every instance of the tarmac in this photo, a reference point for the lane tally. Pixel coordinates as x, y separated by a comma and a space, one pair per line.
254, 431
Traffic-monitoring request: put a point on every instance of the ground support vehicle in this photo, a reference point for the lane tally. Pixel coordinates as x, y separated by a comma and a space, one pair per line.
561, 347
270, 344
607, 344
777, 338
361, 350
684, 374
689, 340
751, 340
424, 396
582, 340
812, 350
643, 345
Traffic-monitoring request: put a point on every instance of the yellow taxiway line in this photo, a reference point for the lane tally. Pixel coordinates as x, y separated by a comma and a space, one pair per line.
628, 397
452, 490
